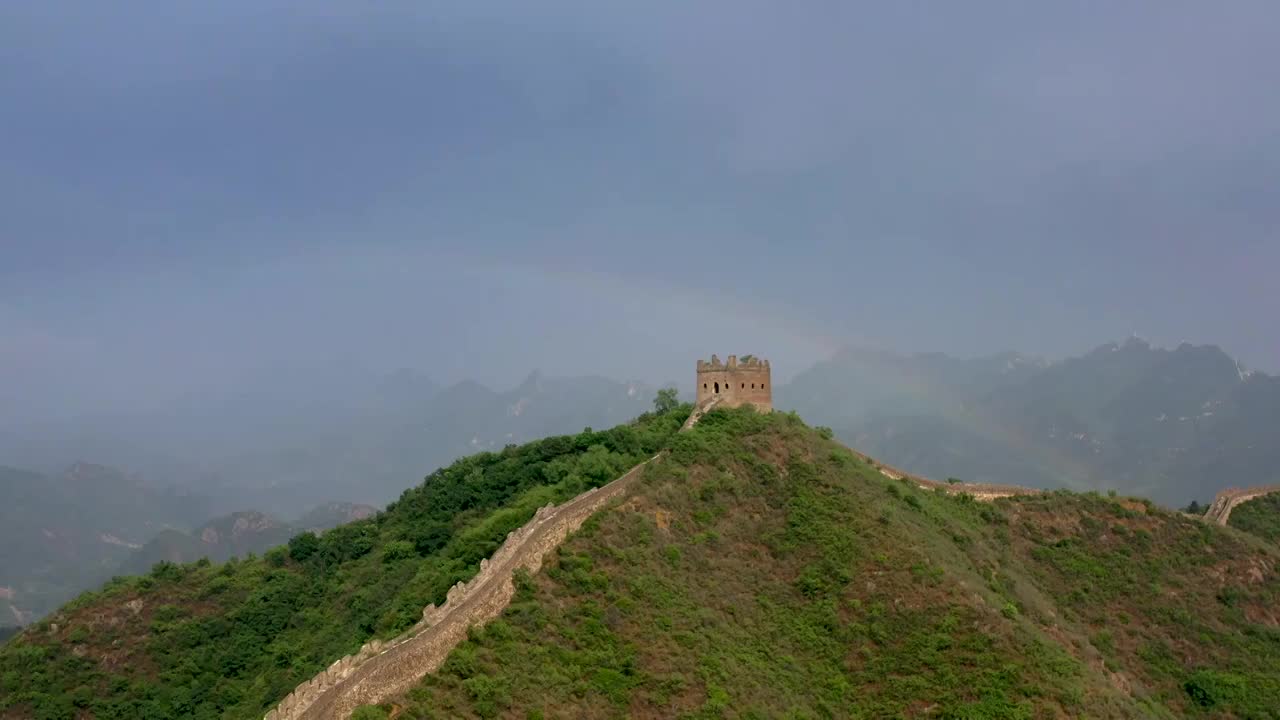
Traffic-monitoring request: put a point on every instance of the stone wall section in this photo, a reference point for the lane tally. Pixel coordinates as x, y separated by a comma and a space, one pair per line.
984, 492
381, 670
698, 412
384, 669
1220, 509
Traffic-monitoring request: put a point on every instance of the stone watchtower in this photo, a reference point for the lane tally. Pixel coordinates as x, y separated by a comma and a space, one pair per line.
737, 382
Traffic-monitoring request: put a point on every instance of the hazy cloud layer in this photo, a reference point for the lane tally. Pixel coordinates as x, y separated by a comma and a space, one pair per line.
194, 194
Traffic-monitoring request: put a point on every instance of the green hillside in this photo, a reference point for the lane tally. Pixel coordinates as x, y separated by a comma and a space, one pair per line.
762, 571
228, 641
1260, 516
759, 570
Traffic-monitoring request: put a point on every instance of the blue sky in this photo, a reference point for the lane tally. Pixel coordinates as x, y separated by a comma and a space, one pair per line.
194, 194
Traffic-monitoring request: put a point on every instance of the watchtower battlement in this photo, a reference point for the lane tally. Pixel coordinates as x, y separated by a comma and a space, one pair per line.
736, 382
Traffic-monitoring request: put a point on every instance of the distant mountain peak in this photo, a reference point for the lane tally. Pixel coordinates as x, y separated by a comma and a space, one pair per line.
533, 383
82, 468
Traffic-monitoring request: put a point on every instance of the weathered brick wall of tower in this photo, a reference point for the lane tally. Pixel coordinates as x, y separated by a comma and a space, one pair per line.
736, 382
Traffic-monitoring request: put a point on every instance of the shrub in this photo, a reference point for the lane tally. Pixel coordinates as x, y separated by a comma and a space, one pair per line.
398, 550
165, 570
666, 400
303, 546
276, 556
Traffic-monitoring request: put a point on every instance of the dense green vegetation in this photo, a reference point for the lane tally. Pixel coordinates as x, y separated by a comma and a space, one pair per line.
763, 571
228, 641
1260, 516
757, 570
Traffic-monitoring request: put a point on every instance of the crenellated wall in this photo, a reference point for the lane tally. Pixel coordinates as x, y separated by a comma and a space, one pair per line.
381, 670
735, 383
1224, 502
984, 492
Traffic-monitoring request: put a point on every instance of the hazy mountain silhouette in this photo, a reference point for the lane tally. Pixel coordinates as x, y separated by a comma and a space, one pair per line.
1172, 424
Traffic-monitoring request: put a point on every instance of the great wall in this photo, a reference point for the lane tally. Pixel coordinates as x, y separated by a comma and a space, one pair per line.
1220, 509
381, 670
980, 491
1218, 513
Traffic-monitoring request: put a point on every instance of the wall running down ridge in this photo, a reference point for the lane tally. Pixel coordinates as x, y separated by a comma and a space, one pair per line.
381, 670
983, 492
1220, 509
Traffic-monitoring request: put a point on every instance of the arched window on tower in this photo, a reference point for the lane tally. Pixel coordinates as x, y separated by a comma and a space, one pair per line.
717, 388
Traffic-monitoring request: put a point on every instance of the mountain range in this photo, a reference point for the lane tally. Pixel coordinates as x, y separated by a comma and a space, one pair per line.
63, 531
280, 447
1174, 425
237, 535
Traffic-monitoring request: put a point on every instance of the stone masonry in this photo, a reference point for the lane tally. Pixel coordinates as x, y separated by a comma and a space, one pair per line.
1220, 509
736, 382
381, 670
984, 492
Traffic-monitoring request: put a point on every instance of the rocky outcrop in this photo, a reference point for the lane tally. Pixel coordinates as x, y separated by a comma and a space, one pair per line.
1220, 509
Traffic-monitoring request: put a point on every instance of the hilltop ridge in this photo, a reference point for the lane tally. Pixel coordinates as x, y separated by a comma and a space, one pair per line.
756, 569
763, 570
232, 640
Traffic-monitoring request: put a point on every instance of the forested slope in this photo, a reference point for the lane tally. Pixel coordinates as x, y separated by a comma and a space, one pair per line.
758, 569
229, 641
762, 571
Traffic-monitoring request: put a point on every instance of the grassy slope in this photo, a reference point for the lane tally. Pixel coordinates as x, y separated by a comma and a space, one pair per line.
761, 571
1260, 516
228, 641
